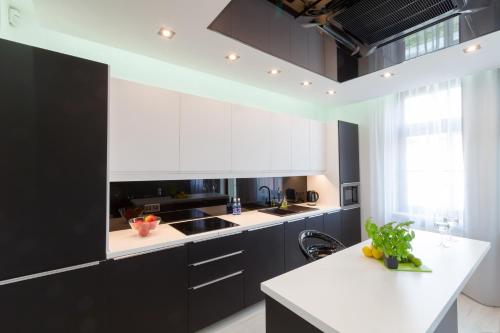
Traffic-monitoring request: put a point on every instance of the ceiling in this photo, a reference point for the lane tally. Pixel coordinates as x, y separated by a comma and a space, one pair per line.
133, 26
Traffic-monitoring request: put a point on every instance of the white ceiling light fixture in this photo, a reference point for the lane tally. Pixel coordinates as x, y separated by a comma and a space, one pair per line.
472, 48
306, 83
166, 32
274, 71
232, 57
387, 75
330, 92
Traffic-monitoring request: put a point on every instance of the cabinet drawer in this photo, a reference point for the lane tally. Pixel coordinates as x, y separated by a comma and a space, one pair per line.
216, 247
214, 301
212, 269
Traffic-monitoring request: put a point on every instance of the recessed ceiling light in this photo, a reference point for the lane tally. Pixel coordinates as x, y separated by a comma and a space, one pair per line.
330, 92
166, 32
472, 48
387, 75
232, 57
306, 83
274, 71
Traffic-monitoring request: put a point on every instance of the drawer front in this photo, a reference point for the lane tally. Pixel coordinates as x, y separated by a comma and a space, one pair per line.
203, 272
216, 247
213, 302
315, 223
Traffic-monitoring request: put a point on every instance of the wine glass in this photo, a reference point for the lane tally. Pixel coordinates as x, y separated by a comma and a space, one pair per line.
443, 227
453, 220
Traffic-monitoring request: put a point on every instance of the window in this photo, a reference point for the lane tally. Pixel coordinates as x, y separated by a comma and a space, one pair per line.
429, 180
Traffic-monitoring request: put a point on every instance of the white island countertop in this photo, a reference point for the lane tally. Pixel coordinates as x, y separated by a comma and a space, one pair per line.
347, 292
127, 242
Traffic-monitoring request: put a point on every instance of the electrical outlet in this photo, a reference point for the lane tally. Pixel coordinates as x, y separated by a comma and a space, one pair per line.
152, 208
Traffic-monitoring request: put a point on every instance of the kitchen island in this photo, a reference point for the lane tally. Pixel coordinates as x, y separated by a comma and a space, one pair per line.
347, 292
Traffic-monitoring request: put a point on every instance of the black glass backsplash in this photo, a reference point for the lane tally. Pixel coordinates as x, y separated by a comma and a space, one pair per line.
176, 195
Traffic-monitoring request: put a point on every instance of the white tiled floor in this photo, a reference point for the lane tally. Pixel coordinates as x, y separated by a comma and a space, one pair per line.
472, 318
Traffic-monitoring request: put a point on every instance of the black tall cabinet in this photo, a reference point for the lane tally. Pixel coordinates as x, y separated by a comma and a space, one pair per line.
349, 173
53, 120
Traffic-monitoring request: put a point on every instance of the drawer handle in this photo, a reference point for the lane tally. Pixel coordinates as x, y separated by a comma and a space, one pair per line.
216, 280
217, 258
317, 215
266, 226
291, 221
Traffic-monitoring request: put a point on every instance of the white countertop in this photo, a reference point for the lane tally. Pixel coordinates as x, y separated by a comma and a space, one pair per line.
127, 242
347, 292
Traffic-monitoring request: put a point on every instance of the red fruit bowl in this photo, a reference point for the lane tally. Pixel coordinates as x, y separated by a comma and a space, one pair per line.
142, 226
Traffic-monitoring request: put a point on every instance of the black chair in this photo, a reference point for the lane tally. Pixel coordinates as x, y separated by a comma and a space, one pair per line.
316, 245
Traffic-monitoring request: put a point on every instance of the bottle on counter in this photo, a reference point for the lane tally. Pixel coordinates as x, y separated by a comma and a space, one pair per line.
284, 204
238, 207
229, 206
235, 207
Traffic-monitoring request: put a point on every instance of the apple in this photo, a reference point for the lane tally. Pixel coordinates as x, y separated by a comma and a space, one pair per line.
150, 218
144, 229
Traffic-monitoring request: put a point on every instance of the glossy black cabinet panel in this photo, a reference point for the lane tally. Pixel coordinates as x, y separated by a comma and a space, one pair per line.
148, 293
200, 274
53, 120
294, 257
315, 223
213, 248
65, 302
215, 301
333, 225
351, 226
265, 259
348, 152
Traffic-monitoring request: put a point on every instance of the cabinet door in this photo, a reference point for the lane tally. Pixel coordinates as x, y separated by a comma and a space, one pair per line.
215, 300
205, 134
65, 302
294, 257
315, 223
318, 145
265, 259
251, 131
351, 226
333, 225
300, 144
53, 121
348, 152
281, 142
144, 128
148, 293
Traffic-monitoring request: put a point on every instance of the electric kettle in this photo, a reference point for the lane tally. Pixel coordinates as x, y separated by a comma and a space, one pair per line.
312, 197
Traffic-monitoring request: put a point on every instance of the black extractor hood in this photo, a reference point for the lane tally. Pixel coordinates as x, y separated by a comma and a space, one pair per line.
361, 26
345, 39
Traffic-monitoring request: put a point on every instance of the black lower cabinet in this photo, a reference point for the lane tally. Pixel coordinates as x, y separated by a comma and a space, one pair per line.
294, 257
315, 223
333, 225
351, 226
216, 279
71, 301
148, 293
265, 259
214, 301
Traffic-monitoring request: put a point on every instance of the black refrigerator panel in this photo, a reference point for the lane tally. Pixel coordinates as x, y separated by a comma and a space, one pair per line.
53, 120
348, 152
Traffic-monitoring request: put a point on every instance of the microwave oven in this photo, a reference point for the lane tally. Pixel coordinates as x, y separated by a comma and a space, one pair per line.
350, 195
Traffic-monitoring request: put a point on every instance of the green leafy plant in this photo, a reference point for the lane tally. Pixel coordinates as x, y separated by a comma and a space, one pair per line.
393, 238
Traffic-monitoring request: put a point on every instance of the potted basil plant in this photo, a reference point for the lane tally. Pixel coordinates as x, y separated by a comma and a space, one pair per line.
394, 239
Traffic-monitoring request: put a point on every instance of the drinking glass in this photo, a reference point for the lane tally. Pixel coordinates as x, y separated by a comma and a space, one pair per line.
444, 228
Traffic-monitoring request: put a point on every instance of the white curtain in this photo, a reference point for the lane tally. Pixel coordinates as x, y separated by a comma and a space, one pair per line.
481, 119
416, 143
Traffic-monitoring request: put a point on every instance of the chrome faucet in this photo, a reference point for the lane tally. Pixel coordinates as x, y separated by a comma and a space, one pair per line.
268, 194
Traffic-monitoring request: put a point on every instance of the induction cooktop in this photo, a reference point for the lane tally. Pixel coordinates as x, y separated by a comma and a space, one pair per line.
202, 225
180, 215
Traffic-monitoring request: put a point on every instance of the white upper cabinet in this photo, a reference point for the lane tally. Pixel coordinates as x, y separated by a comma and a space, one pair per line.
251, 139
205, 134
144, 128
300, 144
281, 142
318, 145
